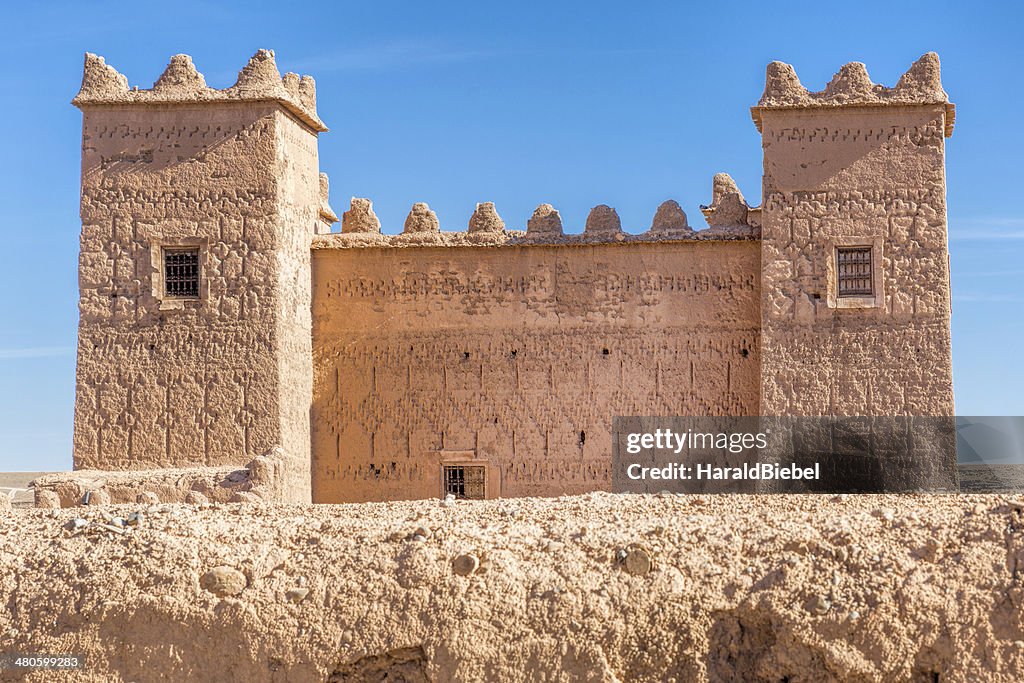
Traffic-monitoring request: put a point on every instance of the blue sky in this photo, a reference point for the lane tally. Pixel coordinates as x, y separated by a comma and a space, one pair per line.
574, 104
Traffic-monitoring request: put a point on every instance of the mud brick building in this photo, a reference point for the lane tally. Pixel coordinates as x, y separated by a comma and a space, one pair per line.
223, 323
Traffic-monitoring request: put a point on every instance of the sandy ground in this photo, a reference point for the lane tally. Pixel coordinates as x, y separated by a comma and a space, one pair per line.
592, 588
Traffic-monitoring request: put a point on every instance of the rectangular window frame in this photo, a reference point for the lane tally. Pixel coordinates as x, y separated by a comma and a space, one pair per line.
853, 272
169, 283
157, 253
455, 480
876, 299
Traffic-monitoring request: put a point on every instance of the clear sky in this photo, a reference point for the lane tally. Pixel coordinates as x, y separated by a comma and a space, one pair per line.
519, 103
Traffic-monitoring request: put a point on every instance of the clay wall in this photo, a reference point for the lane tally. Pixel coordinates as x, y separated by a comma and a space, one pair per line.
155, 379
519, 356
298, 218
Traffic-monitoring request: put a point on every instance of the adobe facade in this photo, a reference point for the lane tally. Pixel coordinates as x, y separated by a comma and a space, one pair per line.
224, 324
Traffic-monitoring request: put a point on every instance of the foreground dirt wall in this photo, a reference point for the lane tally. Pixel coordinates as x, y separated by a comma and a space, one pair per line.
519, 357
593, 588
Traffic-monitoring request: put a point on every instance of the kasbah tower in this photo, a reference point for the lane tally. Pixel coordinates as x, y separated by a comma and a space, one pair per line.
227, 334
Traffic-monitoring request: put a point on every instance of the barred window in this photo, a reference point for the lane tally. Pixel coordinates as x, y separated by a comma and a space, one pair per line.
854, 268
181, 273
465, 481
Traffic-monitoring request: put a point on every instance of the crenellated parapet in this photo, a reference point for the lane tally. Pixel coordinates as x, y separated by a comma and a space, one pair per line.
181, 83
327, 215
728, 212
360, 227
360, 218
421, 219
485, 219
603, 221
670, 220
852, 87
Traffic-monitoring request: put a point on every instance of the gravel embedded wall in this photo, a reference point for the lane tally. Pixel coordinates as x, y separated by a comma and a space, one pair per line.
592, 588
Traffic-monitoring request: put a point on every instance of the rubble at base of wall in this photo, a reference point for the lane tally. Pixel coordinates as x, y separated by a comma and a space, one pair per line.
258, 481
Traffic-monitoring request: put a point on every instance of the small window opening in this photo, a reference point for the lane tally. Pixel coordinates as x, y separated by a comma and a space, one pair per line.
605, 352
465, 481
181, 273
853, 265
583, 438
465, 355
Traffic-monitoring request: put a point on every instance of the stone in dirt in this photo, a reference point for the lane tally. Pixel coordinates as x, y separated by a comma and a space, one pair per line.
223, 581
636, 561
465, 564
196, 498
47, 499
96, 497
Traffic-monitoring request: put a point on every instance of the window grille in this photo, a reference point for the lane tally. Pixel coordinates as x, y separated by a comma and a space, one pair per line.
465, 481
181, 273
854, 268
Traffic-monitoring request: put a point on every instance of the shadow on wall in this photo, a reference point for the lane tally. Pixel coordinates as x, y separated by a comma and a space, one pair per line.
758, 646
163, 148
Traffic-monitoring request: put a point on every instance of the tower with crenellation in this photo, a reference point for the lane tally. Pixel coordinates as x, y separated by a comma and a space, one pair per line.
855, 285
198, 206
